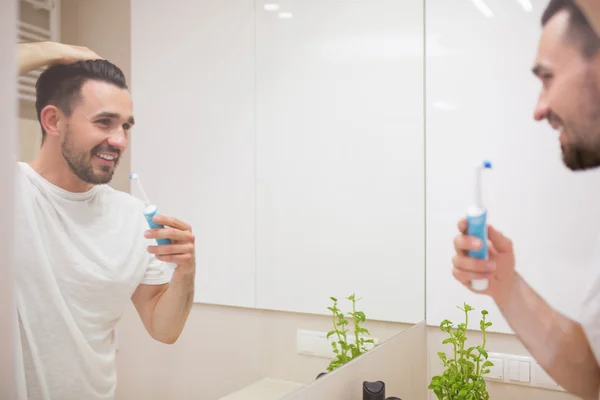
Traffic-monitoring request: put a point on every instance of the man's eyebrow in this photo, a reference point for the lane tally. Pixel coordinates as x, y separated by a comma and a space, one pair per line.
112, 115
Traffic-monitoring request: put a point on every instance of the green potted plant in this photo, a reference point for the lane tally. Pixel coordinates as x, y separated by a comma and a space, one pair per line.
347, 344
463, 378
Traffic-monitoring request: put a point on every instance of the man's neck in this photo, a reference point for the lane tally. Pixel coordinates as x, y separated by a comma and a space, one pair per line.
57, 172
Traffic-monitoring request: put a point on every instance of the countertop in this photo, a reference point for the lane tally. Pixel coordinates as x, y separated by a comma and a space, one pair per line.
265, 389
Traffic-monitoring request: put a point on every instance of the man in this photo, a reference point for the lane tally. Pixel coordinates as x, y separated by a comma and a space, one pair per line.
568, 65
83, 249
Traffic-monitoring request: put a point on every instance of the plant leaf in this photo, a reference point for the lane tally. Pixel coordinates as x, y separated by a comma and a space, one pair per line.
482, 351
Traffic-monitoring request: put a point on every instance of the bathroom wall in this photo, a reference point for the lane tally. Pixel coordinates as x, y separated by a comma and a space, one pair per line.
202, 363
8, 141
30, 136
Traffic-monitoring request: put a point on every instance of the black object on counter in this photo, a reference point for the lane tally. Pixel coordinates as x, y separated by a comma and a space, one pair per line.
373, 390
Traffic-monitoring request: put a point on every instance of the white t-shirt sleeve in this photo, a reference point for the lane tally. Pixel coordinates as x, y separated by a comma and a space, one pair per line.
590, 309
157, 272
590, 321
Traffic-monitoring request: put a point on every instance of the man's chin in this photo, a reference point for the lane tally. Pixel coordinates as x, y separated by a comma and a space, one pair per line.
577, 161
104, 178
570, 160
102, 175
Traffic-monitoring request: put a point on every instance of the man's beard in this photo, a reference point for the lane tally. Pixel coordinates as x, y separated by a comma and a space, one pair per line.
578, 157
80, 162
581, 150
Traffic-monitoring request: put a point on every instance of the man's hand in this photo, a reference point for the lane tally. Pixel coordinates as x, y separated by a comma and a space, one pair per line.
499, 269
182, 250
558, 344
164, 309
67, 54
36, 55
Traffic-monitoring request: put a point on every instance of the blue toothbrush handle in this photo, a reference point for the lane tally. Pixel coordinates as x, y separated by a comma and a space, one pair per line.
149, 214
477, 227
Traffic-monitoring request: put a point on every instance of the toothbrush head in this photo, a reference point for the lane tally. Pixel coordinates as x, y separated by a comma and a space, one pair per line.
134, 177
487, 164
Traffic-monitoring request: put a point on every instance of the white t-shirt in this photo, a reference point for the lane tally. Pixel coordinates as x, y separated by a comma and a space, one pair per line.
79, 258
590, 315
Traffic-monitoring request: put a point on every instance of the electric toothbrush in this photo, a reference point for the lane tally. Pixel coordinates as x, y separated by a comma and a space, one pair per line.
477, 224
150, 210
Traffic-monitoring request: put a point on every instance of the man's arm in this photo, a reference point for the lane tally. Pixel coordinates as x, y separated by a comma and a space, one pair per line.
558, 344
41, 54
591, 9
164, 309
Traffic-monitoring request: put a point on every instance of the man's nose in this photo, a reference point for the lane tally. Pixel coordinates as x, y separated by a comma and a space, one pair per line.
118, 140
541, 110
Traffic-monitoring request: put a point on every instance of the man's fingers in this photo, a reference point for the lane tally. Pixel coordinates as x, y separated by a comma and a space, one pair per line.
462, 226
491, 249
75, 54
170, 233
172, 222
501, 243
464, 243
179, 259
473, 265
171, 249
467, 269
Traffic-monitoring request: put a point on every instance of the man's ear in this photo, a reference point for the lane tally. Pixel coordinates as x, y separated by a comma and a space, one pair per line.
51, 119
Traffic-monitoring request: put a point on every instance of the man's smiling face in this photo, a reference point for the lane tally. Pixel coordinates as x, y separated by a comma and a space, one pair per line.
569, 69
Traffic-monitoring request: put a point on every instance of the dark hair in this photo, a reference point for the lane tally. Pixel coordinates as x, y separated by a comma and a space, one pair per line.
60, 85
580, 30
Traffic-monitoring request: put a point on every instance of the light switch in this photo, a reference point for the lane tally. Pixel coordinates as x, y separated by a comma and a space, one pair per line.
496, 370
516, 369
513, 371
524, 373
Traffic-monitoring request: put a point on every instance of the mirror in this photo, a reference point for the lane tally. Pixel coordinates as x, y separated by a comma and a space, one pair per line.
290, 135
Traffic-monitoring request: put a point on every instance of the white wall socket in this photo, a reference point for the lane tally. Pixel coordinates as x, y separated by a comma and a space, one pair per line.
316, 344
519, 370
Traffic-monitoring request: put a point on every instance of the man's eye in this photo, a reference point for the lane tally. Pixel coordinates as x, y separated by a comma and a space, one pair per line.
103, 121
